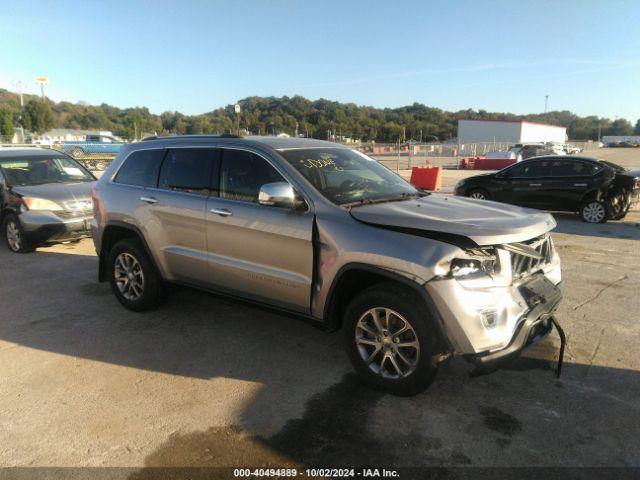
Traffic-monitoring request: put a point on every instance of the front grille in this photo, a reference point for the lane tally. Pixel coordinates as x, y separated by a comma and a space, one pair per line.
523, 264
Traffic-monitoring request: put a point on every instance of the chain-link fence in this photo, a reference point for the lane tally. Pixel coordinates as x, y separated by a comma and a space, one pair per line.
398, 156
402, 156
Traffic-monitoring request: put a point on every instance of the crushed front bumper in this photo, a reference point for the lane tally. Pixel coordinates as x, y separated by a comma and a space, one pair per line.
543, 297
522, 313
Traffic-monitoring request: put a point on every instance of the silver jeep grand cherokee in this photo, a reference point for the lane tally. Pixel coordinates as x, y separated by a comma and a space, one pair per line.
330, 235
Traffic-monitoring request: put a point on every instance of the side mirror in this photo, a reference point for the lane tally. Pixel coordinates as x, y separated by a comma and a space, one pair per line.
277, 194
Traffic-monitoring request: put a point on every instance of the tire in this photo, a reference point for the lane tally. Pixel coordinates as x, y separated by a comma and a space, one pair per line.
143, 289
415, 369
478, 194
77, 153
14, 235
594, 211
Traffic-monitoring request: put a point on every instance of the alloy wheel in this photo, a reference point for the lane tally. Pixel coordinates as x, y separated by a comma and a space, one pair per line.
594, 212
387, 343
478, 196
129, 276
14, 238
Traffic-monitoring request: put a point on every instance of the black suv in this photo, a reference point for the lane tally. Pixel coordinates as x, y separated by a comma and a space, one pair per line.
598, 190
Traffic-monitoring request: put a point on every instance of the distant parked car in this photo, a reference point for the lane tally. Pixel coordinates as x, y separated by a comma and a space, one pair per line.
45, 197
571, 149
597, 189
93, 145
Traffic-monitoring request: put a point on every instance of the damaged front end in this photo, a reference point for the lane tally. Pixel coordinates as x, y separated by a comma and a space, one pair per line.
499, 300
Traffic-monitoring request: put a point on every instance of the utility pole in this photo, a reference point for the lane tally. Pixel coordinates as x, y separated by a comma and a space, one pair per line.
296, 129
20, 83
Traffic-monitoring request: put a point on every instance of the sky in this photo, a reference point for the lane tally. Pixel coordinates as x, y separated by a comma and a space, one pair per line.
195, 56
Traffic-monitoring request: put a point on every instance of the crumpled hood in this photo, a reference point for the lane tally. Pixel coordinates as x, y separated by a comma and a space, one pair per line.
57, 192
484, 222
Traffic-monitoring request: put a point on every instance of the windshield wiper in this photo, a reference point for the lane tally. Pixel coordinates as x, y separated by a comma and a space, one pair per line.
370, 201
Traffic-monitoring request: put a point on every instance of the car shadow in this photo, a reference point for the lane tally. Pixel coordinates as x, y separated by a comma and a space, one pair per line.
311, 410
627, 229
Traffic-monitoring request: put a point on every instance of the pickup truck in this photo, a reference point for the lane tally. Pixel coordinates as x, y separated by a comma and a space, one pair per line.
93, 145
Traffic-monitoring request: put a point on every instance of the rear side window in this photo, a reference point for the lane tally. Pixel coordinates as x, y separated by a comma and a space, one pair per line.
568, 168
140, 168
187, 170
531, 169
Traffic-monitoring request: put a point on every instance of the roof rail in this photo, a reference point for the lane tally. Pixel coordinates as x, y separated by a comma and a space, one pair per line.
156, 137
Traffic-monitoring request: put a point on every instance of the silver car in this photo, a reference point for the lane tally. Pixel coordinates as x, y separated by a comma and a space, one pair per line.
45, 197
327, 234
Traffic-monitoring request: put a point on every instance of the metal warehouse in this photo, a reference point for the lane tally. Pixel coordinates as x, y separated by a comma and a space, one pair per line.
481, 131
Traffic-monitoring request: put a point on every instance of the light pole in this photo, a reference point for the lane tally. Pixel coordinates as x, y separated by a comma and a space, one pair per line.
42, 81
236, 107
546, 101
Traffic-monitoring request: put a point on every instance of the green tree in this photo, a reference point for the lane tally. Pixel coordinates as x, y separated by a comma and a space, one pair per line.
621, 126
636, 131
38, 116
6, 125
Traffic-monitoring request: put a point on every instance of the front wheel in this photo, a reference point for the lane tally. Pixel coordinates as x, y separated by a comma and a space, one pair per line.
390, 340
478, 194
14, 235
133, 278
594, 211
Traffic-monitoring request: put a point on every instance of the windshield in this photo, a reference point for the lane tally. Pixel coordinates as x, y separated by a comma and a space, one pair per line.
347, 176
39, 170
616, 167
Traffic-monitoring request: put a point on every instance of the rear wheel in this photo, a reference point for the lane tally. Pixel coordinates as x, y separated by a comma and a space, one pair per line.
14, 235
594, 211
134, 280
478, 194
390, 339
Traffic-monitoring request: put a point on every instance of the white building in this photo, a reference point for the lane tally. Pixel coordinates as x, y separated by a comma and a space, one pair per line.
486, 131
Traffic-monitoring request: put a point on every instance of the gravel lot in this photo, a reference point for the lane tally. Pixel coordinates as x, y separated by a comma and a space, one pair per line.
207, 382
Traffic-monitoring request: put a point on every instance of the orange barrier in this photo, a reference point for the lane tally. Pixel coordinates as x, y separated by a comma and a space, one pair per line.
427, 178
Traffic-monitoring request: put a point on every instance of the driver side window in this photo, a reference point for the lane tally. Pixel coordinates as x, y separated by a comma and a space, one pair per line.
242, 174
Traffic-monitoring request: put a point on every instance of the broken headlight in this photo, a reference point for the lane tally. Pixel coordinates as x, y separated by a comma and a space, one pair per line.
463, 268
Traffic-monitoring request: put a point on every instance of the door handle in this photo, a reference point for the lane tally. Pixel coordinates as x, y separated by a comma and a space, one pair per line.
535, 184
223, 212
149, 199
579, 184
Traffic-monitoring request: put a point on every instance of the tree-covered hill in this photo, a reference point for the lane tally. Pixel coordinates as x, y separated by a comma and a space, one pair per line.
272, 115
